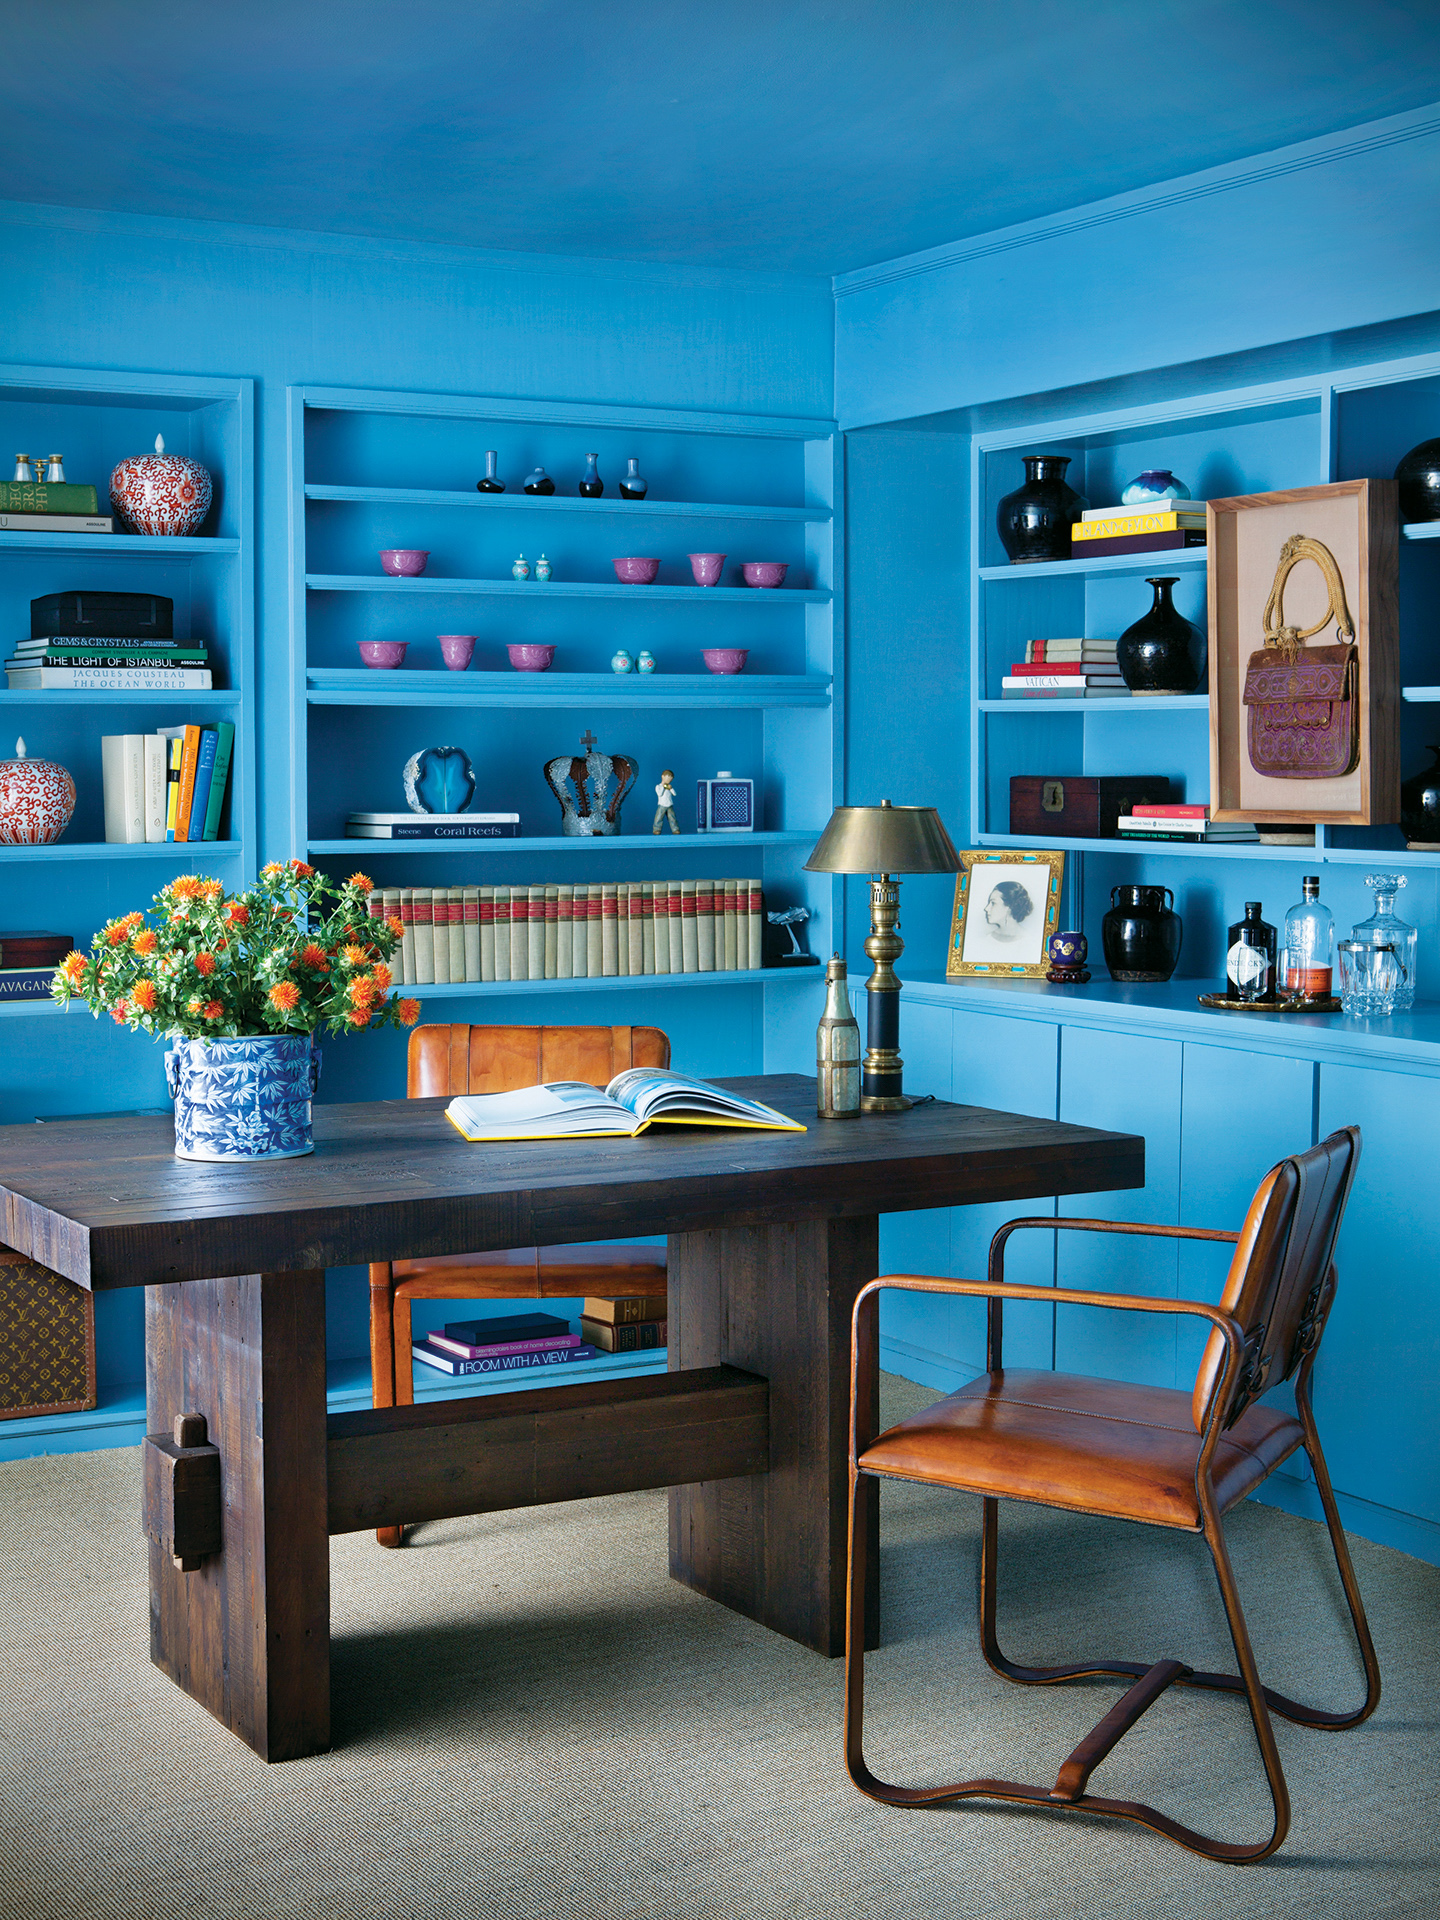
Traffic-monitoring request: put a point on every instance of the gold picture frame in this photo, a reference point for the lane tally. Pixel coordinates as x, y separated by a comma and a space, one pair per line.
1009, 944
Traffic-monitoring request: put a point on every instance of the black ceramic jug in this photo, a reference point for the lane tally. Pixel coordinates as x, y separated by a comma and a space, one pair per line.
1034, 522
1141, 934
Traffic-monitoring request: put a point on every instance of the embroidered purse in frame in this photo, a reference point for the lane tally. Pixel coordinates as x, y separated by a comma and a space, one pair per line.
1302, 702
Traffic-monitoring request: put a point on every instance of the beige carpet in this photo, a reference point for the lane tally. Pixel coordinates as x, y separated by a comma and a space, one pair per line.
531, 1719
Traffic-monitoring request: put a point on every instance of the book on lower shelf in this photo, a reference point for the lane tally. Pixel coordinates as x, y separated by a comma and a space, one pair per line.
560, 930
626, 1310
138, 679
28, 962
49, 499
166, 785
1184, 825
458, 1368
55, 522
1137, 543
432, 826
635, 1100
641, 1336
26, 983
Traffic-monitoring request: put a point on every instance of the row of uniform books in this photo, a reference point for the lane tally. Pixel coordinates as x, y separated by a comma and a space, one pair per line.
586, 931
520, 1342
166, 785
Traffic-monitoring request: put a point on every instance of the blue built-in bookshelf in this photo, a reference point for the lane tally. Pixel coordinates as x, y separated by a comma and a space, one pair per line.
372, 470
1283, 434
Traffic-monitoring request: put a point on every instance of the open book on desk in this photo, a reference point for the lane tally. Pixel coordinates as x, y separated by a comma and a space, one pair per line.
634, 1100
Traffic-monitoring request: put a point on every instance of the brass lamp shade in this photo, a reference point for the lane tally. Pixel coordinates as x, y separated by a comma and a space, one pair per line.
884, 839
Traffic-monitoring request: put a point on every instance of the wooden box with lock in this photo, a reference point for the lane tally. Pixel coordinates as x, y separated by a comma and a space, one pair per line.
1080, 806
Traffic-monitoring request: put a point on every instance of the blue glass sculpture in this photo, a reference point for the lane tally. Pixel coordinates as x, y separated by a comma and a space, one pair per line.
439, 780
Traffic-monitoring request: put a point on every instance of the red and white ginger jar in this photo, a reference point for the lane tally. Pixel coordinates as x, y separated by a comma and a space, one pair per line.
37, 800
160, 492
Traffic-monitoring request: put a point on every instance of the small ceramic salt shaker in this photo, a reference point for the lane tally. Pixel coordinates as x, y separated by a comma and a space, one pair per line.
620, 661
521, 568
645, 662
542, 568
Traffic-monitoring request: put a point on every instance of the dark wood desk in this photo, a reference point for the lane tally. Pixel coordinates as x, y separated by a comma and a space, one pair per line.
770, 1238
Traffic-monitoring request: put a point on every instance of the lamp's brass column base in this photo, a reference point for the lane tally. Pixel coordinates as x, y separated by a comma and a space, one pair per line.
882, 1069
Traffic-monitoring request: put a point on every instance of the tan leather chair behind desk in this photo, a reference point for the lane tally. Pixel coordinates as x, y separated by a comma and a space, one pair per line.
1157, 1455
448, 1060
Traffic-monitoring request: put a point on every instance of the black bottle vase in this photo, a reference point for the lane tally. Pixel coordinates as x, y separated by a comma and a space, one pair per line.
1141, 934
1162, 652
1034, 522
1420, 805
1419, 477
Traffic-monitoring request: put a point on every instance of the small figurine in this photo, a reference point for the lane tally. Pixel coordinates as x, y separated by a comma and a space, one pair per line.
492, 483
665, 801
620, 661
790, 919
55, 470
591, 485
521, 568
542, 568
540, 482
645, 661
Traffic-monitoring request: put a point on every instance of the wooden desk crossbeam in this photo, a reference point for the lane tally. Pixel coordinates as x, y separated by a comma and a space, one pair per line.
526, 1449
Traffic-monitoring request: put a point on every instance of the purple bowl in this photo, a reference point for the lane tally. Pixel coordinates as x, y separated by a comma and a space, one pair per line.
404, 562
456, 650
725, 659
707, 568
636, 573
530, 658
764, 573
383, 653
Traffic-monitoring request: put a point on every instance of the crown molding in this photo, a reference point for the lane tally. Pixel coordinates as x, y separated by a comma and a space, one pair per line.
1418, 124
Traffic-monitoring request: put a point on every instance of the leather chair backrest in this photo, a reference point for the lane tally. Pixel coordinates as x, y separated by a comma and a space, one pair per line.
448, 1060
1282, 1277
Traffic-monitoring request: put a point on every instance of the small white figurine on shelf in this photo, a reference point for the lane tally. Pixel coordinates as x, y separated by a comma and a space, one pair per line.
665, 802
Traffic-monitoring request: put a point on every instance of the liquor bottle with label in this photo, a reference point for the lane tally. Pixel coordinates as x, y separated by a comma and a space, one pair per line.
1250, 956
837, 1050
1309, 944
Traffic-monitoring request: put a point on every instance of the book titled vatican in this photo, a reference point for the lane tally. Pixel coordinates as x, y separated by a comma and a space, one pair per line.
634, 1100
433, 826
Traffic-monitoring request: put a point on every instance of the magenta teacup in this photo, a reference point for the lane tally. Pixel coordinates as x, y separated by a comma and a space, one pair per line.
383, 653
529, 657
707, 568
456, 650
405, 563
764, 573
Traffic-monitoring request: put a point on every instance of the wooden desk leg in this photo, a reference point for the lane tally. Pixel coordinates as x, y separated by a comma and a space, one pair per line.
248, 1633
777, 1301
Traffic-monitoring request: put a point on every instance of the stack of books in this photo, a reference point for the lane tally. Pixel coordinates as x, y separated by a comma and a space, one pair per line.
505, 1345
1157, 526
1065, 669
581, 932
61, 662
28, 962
633, 1325
1190, 824
166, 785
51, 506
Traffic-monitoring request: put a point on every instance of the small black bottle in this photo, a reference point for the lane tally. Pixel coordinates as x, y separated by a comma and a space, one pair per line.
492, 483
591, 485
1250, 956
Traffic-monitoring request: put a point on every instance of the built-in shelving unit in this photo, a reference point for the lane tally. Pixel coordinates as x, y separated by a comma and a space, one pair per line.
375, 470
97, 418
1279, 435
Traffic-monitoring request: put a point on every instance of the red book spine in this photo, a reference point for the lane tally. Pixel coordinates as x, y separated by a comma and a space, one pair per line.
1054, 666
472, 914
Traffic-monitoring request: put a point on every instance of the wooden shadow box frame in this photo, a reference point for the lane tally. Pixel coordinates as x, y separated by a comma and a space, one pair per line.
1358, 520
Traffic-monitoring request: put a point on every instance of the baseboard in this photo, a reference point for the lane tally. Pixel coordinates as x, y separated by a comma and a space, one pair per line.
924, 1366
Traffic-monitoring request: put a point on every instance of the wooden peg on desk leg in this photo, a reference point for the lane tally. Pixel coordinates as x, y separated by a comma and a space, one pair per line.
182, 1492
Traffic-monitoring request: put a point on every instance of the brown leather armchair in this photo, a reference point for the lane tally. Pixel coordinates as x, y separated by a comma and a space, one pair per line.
448, 1060
1156, 1455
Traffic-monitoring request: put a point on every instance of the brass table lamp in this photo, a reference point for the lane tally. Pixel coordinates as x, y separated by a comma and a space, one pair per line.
883, 841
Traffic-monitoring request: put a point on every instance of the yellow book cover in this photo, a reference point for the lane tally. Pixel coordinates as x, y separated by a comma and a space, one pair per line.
1135, 523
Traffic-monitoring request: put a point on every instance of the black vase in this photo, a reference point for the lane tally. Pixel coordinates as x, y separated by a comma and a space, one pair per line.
1141, 933
1034, 522
1419, 477
1420, 804
1162, 652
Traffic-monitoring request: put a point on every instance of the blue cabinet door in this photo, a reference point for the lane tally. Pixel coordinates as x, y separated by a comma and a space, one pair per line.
1130, 1084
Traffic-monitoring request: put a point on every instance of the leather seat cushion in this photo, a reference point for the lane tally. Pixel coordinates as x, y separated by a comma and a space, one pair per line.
601, 1260
1095, 1446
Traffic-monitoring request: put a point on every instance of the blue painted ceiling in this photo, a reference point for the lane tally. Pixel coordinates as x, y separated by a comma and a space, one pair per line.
809, 135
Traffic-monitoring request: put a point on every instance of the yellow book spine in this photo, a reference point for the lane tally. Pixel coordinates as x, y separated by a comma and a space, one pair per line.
1137, 523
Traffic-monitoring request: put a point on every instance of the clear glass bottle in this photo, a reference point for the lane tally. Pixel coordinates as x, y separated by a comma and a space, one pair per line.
632, 486
837, 1050
1250, 956
1307, 961
1395, 992
492, 483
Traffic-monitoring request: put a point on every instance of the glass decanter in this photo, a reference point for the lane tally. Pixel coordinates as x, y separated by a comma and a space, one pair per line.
1395, 991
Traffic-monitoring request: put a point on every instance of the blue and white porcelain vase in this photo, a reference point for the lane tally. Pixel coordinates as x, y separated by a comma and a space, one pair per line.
244, 1099
1156, 483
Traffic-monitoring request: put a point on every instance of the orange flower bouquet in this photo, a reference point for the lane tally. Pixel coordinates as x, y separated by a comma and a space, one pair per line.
294, 954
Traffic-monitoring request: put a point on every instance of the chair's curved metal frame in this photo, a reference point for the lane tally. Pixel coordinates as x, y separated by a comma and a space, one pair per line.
1068, 1794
